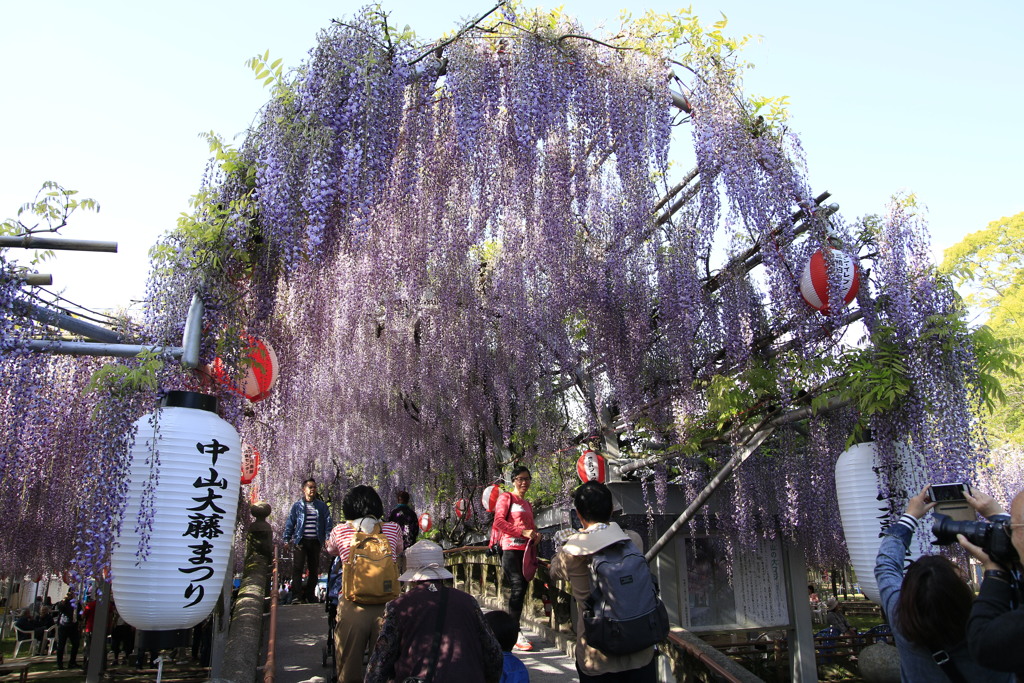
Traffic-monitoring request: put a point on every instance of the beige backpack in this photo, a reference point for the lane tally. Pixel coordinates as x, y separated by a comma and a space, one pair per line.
370, 575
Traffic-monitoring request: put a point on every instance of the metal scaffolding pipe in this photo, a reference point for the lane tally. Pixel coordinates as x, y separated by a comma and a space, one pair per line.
59, 243
735, 461
69, 348
67, 322
190, 338
37, 279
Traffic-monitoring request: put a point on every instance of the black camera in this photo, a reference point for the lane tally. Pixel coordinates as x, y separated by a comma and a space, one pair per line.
992, 537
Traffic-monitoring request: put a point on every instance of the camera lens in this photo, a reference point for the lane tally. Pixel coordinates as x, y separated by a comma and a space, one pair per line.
946, 529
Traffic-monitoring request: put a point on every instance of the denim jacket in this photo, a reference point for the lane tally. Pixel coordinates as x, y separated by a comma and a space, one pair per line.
916, 663
297, 519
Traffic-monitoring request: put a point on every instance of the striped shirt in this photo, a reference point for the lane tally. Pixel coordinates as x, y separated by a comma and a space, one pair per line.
309, 526
340, 540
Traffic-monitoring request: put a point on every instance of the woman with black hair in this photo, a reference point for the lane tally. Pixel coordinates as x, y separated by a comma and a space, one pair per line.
513, 518
927, 608
358, 623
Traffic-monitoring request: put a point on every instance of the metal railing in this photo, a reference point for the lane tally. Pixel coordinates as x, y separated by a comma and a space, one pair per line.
479, 574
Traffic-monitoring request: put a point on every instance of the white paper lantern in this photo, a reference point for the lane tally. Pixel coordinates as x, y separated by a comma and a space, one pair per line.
195, 502
864, 516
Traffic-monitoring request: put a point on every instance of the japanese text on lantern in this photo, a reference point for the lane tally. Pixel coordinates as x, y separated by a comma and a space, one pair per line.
204, 524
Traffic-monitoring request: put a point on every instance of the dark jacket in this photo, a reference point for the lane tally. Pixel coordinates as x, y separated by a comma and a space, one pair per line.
916, 663
297, 519
995, 631
405, 517
468, 650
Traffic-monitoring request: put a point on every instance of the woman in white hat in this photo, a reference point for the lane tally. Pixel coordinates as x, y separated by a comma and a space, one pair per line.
433, 629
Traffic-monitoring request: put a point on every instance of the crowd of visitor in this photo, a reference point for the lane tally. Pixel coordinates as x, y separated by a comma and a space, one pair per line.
393, 617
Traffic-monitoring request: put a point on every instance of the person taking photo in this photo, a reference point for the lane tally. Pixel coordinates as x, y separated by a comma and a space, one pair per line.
995, 631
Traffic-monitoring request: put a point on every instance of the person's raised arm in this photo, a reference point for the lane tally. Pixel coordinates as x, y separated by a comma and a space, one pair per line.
893, 549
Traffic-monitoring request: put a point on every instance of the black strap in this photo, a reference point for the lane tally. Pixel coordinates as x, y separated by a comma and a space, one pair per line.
436, 647
945, 663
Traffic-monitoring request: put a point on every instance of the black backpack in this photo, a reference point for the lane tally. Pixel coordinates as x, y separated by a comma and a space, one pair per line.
624, 613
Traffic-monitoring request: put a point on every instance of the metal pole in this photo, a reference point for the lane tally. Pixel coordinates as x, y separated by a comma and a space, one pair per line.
59, 243
106, 340
97, 349
37, 279
268, 668
735, 461
66, 322
190, 338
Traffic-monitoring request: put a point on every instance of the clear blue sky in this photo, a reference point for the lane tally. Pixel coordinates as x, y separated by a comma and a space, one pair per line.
110, 97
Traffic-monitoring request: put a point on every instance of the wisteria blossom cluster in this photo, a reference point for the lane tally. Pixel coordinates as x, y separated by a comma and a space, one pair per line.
463, 260
62, 451
477, 254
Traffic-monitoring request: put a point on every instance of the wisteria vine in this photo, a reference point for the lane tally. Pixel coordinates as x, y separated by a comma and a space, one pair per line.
461, 260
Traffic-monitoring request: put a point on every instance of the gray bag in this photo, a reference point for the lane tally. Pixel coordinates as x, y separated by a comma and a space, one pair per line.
624, 613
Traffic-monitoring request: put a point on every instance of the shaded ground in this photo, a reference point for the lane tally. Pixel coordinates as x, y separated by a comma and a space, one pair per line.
302, 635
301, 638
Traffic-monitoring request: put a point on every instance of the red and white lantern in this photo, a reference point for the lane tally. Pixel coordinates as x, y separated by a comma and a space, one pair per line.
426, 523
260, 375
250, 463
591, 467
814, 282
490, 497
462, 508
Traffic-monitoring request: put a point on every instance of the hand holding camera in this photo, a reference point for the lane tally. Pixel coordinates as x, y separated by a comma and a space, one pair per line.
919, 505
989, 542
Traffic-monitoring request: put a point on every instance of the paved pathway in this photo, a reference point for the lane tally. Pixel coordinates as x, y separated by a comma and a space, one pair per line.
302, 635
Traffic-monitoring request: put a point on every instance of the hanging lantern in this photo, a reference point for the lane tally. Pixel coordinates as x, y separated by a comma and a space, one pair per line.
426, 523
462, 508
250, 463
194, 501
591, 467
490, 497
814, 282
260, 375
864, 517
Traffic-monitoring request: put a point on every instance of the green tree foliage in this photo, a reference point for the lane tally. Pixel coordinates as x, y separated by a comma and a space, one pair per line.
988, 266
